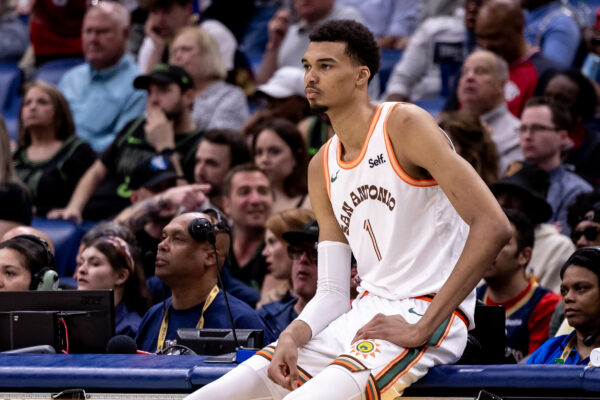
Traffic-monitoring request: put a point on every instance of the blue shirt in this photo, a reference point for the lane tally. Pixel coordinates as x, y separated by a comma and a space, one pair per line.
554, 31
552, 350
279, 314
565, 185
126, 322
103, 101
215, 317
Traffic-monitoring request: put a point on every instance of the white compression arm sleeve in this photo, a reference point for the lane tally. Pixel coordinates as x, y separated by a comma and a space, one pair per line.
333, 286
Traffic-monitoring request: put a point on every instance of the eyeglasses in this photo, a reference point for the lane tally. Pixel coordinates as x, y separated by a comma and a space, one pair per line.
295, 252
535, 128
590, 233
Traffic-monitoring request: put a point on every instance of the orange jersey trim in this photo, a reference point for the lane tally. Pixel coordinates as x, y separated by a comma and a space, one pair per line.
395, 164
326, 167
456, 312
363, 150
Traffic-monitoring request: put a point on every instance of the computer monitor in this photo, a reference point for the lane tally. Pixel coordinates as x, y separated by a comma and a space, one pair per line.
73, 321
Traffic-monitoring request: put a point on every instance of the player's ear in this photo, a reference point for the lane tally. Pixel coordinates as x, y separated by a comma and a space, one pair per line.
363, 76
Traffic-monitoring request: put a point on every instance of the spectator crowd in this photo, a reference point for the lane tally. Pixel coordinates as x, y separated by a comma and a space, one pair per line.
179, 139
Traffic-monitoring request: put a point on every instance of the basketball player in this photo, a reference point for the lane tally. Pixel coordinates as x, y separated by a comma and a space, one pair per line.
422, 225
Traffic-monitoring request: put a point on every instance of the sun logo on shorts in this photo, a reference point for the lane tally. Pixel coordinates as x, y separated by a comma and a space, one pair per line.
366, 348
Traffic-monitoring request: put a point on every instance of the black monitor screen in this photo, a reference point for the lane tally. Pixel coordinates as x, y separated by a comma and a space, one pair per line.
73, 321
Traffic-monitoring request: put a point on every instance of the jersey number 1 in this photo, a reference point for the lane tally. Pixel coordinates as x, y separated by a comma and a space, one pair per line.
368, 228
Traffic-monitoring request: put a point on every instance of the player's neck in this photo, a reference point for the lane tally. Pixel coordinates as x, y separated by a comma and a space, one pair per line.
351, 124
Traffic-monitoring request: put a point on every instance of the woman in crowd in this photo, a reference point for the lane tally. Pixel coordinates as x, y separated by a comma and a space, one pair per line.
50, 158
280, 151
275, 253
15, 201
473, 142
108, 263
580, 290
218, 104
24, 260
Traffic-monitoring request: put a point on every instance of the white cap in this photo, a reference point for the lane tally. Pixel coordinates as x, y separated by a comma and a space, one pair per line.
225, 40
286, 82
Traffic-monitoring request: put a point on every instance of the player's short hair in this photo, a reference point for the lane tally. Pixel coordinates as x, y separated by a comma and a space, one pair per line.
361, 46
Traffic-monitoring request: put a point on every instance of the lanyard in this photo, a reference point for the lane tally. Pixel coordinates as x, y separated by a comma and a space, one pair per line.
164, 326
567, 351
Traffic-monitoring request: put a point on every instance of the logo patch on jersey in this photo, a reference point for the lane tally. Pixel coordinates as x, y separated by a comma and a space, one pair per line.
333, 178
373, 162
412, 311
366, 348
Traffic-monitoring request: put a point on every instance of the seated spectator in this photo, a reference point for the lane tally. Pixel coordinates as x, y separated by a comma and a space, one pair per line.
218, 152
55, 28
439, 41
543, 134
187, 263
281, 97
580, 290
28, 230
27, 264
391, 22
14, 35
109, 263
524, 189
528, 305
301, 249
279, 263
50, 159
584, 219
481, 93
248, 201
166, 129
473, 142
552, 27
573, 91
288, 36
279, 150
218, 104
100, 91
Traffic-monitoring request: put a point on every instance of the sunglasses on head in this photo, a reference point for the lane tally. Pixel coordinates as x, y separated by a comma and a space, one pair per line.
590, 233
295, 252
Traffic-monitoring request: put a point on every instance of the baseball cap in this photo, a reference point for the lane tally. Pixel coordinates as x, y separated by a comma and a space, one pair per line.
310, 233
530, 183
152, 172
286, 82
165, 73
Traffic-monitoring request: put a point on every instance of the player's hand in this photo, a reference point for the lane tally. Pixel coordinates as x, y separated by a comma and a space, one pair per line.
159, 130
283, 369
278, 27
65, 213
394, 329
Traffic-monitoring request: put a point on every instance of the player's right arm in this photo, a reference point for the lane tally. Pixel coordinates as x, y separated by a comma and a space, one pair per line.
84, 190
333, 286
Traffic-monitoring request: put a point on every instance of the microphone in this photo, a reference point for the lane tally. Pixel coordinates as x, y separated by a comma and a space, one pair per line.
589, 340
123, 344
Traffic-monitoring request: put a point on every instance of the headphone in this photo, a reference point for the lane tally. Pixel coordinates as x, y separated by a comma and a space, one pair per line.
46, 278
202, 230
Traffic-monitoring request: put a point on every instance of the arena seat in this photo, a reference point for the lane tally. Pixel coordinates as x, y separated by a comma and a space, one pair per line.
10, 83
66, 236
52, 71
389, 58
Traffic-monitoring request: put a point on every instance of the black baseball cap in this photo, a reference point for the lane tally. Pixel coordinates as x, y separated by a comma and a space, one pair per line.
530, 183
165, 73
152, 172
310, 233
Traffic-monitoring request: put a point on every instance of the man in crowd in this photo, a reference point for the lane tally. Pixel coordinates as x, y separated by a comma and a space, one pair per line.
544, 133
524, 189
218, 152
528, 305
188, 264
481, 93
301, 249
288, 33
100, 91
166, 130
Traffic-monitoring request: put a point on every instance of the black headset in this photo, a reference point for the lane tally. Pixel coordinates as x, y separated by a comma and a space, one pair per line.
202, 230
46, 278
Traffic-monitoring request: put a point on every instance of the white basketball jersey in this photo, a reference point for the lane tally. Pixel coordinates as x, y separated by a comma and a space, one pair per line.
404, 233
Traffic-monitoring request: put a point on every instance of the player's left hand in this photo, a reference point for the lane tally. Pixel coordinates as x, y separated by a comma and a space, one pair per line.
394, 329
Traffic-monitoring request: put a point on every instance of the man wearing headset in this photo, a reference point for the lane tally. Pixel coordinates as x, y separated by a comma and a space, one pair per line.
192, 249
